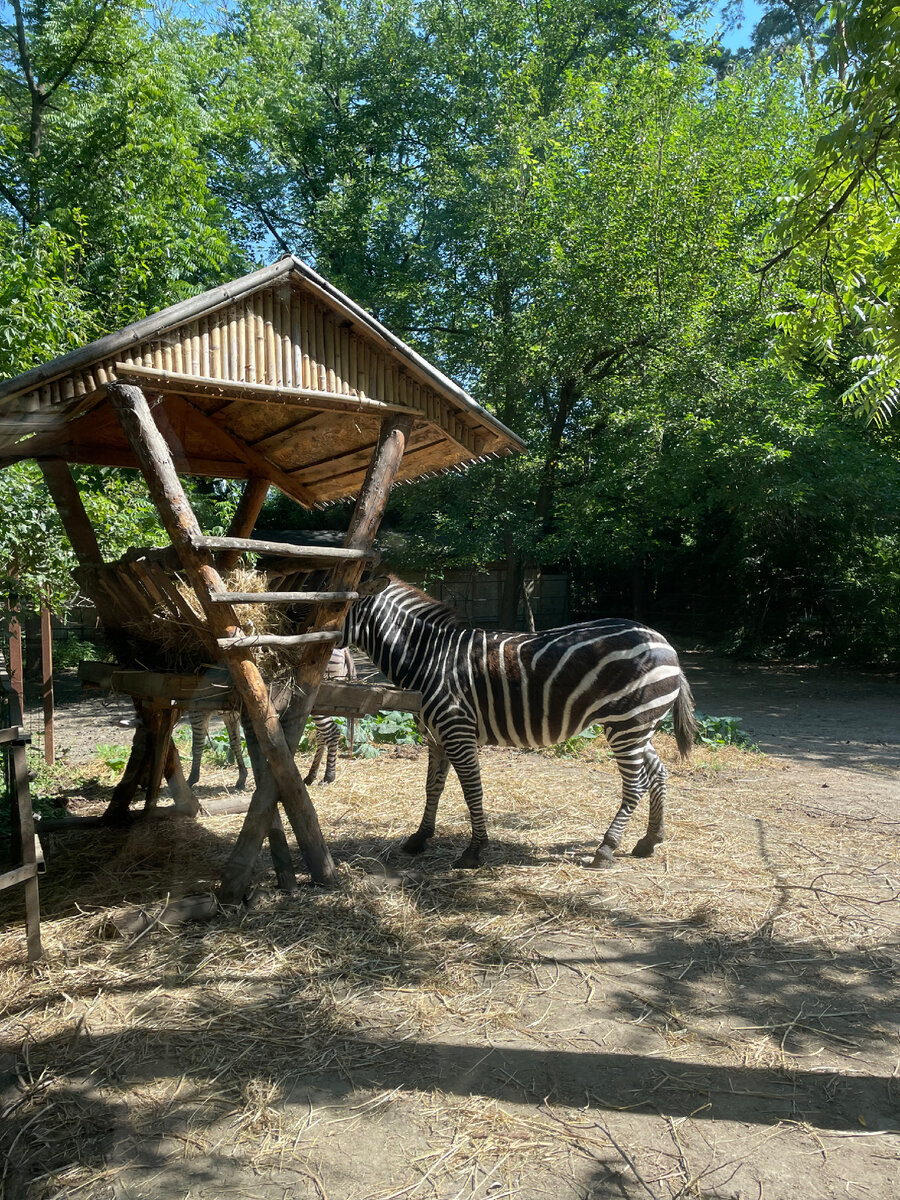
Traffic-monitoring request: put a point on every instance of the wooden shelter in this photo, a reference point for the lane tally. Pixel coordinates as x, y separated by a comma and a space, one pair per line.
280, 379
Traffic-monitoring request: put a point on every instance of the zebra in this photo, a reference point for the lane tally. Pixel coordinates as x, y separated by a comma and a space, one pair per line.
527, 690
340, 666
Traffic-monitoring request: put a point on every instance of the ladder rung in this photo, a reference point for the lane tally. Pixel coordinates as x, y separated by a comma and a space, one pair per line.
276, 639
282, 597
325, 554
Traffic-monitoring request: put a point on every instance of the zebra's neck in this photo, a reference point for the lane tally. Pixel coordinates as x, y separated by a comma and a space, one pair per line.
397, 627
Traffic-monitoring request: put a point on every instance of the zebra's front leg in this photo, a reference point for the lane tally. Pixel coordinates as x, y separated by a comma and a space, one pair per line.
634, 784
438, 766
656, 775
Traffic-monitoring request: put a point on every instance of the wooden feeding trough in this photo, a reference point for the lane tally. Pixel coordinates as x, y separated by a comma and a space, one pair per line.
279, 379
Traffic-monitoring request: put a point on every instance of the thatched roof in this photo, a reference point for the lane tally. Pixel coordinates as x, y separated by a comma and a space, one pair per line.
276, 374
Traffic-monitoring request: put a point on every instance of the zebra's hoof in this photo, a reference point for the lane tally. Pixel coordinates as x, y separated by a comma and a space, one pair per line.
309, 779
644, 848
603, 858
241, 784
325, 780
415, 844
193, 780
470, 859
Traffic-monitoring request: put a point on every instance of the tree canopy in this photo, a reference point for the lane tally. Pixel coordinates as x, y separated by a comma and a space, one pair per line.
577, 210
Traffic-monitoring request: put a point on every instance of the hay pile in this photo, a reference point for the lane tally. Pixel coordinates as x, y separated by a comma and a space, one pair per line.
182, 640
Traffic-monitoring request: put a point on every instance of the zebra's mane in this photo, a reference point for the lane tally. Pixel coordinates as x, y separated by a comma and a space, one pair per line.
439, 612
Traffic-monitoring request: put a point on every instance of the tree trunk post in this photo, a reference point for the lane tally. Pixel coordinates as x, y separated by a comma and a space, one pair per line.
180, 523
248, 509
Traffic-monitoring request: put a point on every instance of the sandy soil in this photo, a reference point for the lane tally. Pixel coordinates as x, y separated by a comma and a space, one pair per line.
719, 1021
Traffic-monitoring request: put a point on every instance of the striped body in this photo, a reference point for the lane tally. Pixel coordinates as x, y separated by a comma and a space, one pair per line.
527, 690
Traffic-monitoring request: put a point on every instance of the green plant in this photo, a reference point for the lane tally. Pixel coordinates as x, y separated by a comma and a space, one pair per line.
113, 757
574, 745
716, 731
71, 652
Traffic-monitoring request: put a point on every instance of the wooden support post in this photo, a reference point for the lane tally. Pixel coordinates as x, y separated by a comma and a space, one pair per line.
161, 722
47, 673
367, 515
185, 800
22, 801
181, 525
251, 502
66, 497
116, 812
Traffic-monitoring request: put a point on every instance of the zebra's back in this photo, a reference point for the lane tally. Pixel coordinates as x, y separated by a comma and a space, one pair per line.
539, 689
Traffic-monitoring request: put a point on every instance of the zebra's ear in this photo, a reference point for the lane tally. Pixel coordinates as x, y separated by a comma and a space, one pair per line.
372, 585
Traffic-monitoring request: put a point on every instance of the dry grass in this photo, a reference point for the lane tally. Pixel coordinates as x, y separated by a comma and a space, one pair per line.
740, 943
178, 639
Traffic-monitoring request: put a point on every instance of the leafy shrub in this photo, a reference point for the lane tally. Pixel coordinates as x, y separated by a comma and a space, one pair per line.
716, 731
113, 757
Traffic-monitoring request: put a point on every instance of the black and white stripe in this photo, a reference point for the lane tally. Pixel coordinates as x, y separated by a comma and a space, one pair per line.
527, 690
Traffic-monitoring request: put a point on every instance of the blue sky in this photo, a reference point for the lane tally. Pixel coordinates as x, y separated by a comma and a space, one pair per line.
740, 36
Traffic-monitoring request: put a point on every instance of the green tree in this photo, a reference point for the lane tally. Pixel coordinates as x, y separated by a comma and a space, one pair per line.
838, 231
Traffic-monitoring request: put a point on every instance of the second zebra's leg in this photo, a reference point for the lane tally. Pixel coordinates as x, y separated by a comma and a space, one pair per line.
320, 751
199, 726
331, 735
438, 766
656, 824
630, 761
233, 729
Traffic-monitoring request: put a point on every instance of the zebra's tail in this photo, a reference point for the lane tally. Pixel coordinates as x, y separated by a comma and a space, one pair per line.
684, 719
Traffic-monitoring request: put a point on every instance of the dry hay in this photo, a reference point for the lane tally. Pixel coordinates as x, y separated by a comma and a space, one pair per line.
177, 638
202, 1034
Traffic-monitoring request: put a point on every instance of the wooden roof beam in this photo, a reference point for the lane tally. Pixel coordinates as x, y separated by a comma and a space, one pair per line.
169, 382
257, 464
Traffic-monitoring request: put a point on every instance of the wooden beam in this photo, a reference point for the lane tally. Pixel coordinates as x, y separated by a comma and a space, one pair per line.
69, 505
245, 516
171, 383
283, 597
257, 463
321, 556
277, 639
183, 530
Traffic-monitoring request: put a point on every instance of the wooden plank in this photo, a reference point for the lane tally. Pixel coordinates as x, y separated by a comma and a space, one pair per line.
283, 597
157, 685
324, 556
361, 699
18, 875
15, 733
256, 463
275, 639
324, 400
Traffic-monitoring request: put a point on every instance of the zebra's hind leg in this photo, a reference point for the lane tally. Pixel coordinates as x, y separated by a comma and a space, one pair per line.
233, 728
656, 828
464, 757
630, 761
438, 766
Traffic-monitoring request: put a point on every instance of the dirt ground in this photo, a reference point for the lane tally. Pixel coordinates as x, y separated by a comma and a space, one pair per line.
718, 1021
